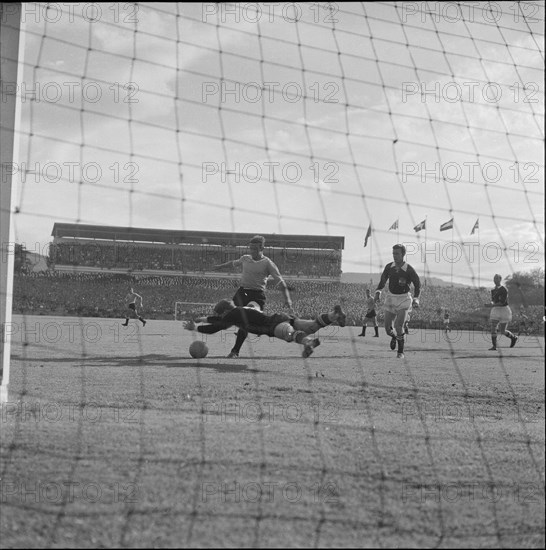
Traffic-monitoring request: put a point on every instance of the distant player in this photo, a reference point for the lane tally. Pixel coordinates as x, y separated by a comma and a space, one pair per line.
257, 268
280, 325
501, 314
371, 316
525, 325
131, 300
398, 301
446, 321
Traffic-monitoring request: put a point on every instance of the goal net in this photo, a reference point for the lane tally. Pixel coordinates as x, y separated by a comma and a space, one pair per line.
420, 123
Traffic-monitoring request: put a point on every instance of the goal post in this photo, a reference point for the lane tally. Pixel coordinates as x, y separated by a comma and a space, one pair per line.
10, 20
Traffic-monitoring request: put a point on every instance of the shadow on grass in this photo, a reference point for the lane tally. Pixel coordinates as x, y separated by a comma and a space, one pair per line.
154, 359
497, 357
220, 367
167, 361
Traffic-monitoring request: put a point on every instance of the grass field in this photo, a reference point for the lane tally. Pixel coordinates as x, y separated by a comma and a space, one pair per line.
116, 437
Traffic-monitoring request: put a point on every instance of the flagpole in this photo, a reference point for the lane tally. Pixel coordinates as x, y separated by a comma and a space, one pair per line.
452, 224
451, 301
371, 247
425, 262
479, 255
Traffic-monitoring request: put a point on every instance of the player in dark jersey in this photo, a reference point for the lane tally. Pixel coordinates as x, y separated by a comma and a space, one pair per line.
398, 301
501, 314
279, 325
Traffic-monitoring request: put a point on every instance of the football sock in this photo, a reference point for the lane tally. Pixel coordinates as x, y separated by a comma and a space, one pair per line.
241, 337
325, 319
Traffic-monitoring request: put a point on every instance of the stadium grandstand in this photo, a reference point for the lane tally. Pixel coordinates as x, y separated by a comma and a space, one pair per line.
97, 248
90, 267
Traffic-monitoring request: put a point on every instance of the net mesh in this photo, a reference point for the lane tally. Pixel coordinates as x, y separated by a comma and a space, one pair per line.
318, 118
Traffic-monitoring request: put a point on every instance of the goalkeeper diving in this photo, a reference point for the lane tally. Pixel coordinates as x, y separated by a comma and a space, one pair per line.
279, 325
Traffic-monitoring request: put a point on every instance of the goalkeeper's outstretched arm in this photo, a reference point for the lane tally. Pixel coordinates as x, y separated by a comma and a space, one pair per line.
214, 324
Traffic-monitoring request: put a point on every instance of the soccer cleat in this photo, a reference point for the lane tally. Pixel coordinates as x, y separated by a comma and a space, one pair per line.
339, 316
232, 355
493, 348
393, 343
514, 339
309, 346
143, 323
124, 324
400, 356
362, 334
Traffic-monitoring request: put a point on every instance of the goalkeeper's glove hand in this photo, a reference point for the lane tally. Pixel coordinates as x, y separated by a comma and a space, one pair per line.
415, 303
189, 325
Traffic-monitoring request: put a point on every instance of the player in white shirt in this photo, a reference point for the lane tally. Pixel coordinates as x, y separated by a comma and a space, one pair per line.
257, 268
131, 300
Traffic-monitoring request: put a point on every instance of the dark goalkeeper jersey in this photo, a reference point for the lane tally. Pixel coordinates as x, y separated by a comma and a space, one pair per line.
400, 279
248, 319
499, 296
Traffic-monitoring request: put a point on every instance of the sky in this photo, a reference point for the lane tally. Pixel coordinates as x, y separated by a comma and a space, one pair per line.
305, 118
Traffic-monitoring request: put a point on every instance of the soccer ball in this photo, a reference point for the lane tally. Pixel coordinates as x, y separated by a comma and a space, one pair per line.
198, 349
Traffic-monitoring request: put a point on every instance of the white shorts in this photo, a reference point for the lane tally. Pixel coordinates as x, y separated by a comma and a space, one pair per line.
307, 325
501, 314
397, 302
284, 331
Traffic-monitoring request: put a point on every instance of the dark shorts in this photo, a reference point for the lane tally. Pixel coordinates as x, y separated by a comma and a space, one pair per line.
244, 296
132, 306
371, 314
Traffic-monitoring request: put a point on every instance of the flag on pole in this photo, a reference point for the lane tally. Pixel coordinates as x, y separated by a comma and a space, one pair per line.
420, 226
476, 226
447, 225
368, 235
394, 225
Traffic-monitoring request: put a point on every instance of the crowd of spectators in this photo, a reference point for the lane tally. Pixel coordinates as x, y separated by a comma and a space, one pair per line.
102, 295
188, 258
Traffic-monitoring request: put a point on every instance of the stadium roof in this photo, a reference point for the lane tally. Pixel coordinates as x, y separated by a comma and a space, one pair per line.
139, 234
